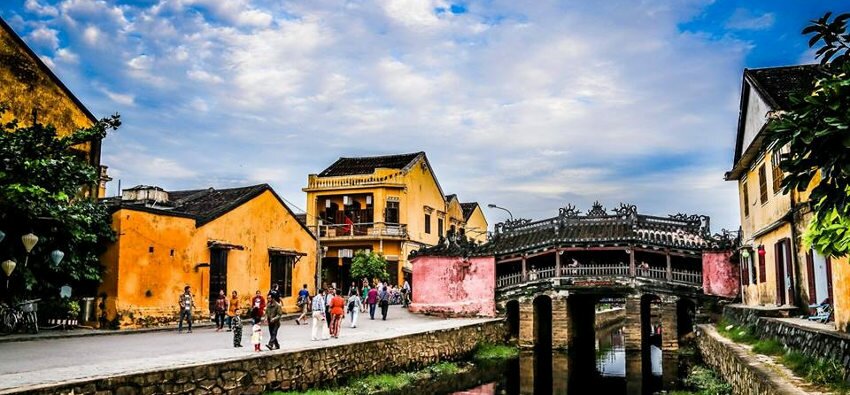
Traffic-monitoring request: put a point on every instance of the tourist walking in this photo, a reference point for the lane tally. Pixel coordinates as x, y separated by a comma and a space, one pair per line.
384, 297
303, 303
328, 297
337, 314
364, 294
232, 309
372, 300
220, 310
405, 294
236, 326
352, 290
187, 303
273, 315
354, 305
256, 336
319, 316
258, 307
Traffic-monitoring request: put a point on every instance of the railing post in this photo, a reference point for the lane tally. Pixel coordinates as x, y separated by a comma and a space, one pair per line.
524, 271
557, 263
632, 272
669, 267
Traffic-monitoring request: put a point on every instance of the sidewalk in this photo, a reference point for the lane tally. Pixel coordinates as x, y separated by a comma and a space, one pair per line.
45, 334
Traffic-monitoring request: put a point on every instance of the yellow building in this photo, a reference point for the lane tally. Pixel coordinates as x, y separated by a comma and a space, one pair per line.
33, 93
776, 268
391, 204
241, 239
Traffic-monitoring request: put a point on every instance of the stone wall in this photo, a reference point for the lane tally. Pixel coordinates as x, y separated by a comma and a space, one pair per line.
739, 367
256, 374
606, 318
720, 275
749, 315
454, 286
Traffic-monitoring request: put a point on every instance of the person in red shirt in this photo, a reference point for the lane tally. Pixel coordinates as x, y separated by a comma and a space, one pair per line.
258, 307
372, 300
337, 314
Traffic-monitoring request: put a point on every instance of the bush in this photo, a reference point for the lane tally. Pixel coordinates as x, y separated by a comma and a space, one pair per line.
706, 382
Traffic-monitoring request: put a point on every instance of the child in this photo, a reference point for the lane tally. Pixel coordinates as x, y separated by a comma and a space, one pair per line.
236, 325
257, 336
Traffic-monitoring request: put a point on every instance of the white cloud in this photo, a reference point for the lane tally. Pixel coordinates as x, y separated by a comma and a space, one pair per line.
41, 10
91, 35
45, 36
744, 19
65, 55
124, 99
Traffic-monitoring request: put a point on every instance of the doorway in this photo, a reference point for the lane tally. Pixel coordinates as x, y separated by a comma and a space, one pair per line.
218, 274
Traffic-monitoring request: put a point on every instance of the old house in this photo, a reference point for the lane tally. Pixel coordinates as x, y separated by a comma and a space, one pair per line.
776, 268
32, 93
236, 239
391, 204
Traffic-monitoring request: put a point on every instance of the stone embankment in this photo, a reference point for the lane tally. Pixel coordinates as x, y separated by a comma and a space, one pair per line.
294, 370
740, 367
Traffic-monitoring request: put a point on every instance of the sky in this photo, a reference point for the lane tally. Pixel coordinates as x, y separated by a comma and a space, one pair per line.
531, 105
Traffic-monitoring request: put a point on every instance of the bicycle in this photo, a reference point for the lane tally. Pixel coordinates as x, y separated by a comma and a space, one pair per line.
24, 317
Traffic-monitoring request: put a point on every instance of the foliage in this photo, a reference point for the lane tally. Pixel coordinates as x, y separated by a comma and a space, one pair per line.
738, 334
768, 347
704, 381
817, 370
385, 382
41, 177
816, 129
369, 265
486, 351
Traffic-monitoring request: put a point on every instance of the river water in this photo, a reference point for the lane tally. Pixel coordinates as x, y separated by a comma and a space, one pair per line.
604, 369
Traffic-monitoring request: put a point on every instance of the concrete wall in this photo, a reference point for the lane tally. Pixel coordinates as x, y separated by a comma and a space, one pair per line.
719, 274
453, 286
739, 367
255, 374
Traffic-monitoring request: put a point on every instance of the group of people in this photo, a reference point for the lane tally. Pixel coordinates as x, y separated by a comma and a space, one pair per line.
329, 309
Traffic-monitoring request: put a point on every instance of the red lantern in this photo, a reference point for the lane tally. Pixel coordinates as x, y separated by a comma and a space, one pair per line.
761, 250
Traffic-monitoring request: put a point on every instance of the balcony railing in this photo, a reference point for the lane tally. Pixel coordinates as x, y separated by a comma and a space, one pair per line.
688, 277
353, 181
363, 230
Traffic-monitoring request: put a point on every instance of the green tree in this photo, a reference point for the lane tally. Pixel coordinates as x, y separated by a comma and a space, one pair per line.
41, 180
369, 265
817, 130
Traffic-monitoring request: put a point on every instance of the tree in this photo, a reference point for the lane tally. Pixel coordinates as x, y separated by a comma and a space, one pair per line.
369, 265
41, 180
817, 130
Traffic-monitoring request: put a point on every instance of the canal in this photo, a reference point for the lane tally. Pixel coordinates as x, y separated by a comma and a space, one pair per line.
604, 368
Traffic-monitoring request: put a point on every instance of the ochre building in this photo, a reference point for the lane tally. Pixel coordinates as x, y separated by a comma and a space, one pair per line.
242, 239
777, 269
31, 92
390, 204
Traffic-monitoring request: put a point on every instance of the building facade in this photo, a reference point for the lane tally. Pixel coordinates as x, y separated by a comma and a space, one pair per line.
777, 269
242, 239
32, 93
390, 204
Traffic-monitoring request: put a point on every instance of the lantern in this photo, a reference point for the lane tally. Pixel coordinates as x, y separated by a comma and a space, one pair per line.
56, 256
8, 266
745, 253
762, 252
29, 241
2, 235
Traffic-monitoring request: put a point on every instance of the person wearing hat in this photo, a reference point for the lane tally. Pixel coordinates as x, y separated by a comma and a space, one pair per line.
274, 313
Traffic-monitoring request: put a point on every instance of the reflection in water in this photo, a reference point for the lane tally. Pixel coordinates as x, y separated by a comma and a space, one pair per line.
608, 369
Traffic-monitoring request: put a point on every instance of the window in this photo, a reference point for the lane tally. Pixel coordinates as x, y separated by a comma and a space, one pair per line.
746, 200
439, 226
762, 184
428, 224
281, 272
391, 213
777, 172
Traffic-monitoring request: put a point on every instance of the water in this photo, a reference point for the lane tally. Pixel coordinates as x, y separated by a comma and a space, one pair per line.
604, 369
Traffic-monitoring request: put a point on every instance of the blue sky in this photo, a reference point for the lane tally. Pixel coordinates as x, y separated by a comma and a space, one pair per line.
530, 105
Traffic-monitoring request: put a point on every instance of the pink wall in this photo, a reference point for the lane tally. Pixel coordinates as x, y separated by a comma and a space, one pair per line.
720, 276
454, 287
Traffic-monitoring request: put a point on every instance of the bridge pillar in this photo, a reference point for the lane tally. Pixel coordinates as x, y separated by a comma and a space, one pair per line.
669, 325
560, 323
632, 331
526, 323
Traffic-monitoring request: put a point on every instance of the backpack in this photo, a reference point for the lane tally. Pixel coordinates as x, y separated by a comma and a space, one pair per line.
351, 306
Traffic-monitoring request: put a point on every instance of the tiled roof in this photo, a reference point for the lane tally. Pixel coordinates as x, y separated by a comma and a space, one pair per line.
778, 84
468, 208
368, 164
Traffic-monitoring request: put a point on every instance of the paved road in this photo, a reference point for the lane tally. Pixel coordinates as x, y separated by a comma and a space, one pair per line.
59, 360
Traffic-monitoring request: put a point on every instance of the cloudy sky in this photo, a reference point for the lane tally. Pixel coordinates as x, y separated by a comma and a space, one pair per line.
527, 104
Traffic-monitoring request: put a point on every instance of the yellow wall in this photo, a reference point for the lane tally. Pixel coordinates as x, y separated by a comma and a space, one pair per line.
841, 293
761, 215
133, 272
764, 293
476, 226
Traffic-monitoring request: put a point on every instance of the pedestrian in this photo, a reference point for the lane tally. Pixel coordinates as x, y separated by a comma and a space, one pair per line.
256, 336
236, 326
232, 309
303, 302
273, 315
328, 297
337, 315
372, 300
319, 316
406, 293
275, 288
258, 307
364, 295
352, 290
220, 310
385, 302
187, 303
354, 305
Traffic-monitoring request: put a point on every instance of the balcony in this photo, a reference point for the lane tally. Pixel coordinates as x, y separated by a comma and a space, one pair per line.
315, 183
363, 231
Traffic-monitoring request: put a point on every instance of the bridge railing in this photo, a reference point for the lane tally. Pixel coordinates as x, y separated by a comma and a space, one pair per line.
510, 279
594, 271
690, 277
651, 272
687, 277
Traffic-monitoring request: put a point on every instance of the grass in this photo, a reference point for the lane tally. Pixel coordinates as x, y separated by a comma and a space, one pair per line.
769, 347
738, 334
495, 352
385, 382
703, 381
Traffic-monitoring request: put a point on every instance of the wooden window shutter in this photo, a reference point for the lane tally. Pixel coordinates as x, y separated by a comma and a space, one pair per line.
762, 185
762, 268
745, 275
788, 264
746, 200
778, 273
829, 279
810, 273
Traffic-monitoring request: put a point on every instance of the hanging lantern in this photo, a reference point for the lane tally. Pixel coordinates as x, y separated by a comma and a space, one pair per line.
745, 253
762, 252
2, 235
8, 266
56, 256
29, 241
